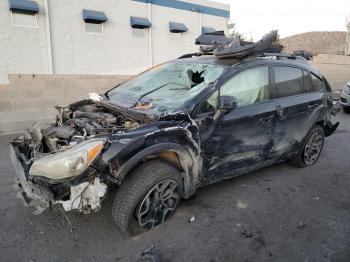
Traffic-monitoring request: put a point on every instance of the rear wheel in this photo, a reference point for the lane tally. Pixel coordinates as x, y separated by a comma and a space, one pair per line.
346, 109
148, 197
311, 149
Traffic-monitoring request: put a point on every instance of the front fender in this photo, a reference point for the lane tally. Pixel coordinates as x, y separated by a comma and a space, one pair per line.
188, 162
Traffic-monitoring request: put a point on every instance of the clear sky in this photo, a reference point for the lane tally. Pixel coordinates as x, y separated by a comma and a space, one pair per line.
290, 17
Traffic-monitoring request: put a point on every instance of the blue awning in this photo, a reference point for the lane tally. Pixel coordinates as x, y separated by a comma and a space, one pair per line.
207, 30
139, 22
24, 6
95, 17
177, 27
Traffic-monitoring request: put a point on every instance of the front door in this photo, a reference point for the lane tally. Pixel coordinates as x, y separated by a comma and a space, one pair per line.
243, 137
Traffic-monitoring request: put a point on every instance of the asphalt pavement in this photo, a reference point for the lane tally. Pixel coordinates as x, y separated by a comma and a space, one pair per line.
280, 213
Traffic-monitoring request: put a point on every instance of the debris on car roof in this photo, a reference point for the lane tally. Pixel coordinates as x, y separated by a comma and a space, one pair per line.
235, 49
223, 47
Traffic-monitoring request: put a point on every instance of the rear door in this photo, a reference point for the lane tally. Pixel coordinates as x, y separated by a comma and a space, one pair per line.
298, 106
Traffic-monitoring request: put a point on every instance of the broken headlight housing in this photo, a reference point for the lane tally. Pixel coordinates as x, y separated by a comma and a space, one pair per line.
70, 163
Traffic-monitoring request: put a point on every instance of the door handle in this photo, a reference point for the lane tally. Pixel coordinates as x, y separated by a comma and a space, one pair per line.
266, 120
312, 106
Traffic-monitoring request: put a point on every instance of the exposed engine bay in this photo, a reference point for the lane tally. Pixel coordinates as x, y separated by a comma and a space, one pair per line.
73, 125
80, 127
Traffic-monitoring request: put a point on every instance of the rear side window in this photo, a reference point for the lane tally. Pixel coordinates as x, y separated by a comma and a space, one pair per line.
307, 82
317, 83
288, 81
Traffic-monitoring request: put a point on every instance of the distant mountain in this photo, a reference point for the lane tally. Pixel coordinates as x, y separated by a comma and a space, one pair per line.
332, 42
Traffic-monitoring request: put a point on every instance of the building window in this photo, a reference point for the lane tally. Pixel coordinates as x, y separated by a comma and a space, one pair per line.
93, 28
175, 37
24, 19
138, 33
94, 21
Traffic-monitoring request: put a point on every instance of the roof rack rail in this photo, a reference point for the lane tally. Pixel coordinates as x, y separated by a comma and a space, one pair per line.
285, 55
278, 56
195, 54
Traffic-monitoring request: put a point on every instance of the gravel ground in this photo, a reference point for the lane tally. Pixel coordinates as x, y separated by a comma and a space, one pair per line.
280, 213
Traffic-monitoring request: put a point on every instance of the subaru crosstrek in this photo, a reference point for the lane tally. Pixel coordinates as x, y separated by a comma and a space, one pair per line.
179, 126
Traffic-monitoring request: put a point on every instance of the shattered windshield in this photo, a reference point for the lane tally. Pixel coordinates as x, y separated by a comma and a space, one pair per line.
165, 88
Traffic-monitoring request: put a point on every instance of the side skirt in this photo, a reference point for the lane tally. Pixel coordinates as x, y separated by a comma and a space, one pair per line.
244, 170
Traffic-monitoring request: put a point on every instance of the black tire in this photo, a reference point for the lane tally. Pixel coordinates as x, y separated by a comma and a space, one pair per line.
346, 109
299, 159
136, 187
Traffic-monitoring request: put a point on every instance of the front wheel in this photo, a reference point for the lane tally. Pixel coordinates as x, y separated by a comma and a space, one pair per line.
148, 197
311, 149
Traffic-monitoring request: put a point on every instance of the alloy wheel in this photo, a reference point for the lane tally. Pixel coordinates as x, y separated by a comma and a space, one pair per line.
313, 148
158, 204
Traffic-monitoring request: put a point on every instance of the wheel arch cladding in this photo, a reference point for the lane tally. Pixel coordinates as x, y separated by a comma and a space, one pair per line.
173, 154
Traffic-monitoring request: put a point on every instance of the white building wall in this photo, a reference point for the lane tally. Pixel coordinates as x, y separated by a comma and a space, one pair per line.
22, 50
115, 51
214, 4
167, 45
219, 23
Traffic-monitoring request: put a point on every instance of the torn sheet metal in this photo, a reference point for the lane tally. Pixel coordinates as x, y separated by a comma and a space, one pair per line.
85, 197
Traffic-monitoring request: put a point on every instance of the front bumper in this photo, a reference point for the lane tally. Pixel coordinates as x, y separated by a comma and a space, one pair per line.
34, 195
85, 196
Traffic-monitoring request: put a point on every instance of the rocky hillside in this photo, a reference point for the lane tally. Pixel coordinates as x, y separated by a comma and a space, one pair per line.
316, 42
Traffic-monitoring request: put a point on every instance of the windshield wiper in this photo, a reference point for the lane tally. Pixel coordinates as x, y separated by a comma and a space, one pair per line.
153, 90
107, 93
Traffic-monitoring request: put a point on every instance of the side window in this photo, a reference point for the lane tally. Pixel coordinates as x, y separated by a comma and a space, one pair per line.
210, 105
249, 86
307, 82
288, 81
317, 83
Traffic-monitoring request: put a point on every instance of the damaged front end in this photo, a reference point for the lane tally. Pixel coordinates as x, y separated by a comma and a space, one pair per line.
55, 164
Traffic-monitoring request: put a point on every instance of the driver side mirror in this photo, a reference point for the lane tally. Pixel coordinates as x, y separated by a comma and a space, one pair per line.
227, 103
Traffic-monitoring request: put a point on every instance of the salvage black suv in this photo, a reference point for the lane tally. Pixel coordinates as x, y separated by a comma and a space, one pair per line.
179, 126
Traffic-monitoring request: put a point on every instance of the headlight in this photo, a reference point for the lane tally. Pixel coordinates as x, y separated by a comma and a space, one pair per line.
70, 163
